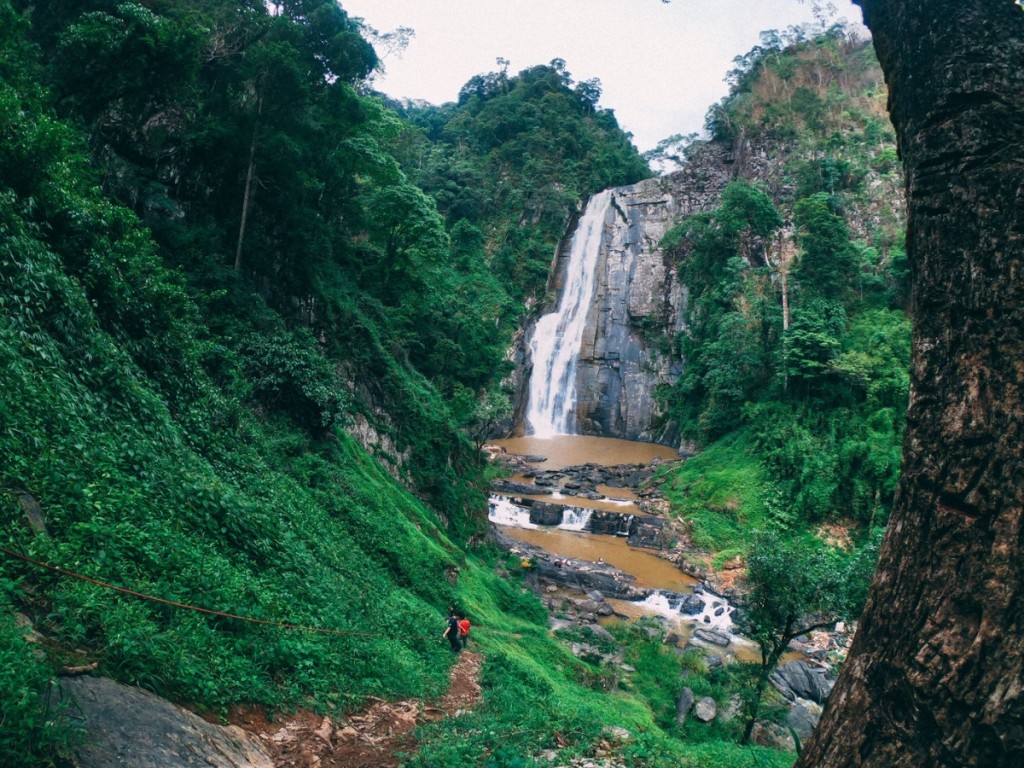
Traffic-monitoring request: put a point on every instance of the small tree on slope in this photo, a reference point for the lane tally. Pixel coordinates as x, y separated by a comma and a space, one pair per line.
797, 586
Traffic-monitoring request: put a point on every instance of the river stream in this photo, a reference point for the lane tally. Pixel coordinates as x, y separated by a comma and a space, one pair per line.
568, 541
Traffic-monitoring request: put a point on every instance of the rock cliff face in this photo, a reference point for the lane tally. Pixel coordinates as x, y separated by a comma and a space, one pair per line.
638, 300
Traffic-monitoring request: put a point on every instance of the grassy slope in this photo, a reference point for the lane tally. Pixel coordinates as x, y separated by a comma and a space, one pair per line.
720, 493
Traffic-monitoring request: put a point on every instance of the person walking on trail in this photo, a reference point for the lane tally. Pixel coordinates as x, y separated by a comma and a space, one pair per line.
463, 629
452, 632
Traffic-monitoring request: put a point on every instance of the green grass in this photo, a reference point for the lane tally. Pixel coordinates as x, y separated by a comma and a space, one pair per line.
720, 492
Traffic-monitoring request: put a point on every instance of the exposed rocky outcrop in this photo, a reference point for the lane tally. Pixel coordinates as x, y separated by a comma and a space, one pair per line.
131, 728
638, 300
798, 679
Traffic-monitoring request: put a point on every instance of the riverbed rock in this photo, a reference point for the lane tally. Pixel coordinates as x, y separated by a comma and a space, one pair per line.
609, 523
586, 606
711, 637
574, 574
510, 488
647, 532
690, 605
128, 727
542, 513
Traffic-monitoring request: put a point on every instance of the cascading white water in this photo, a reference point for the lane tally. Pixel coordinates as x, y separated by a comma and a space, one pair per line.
575, 518
716, 612
502, 511
558, 336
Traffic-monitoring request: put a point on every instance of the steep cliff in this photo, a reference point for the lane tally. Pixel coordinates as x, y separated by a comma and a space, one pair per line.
639, 305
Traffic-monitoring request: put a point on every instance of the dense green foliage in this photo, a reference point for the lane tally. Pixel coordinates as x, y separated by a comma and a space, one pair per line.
211, 265
797, 331
797, 585
798, 345
222, 261
511, 161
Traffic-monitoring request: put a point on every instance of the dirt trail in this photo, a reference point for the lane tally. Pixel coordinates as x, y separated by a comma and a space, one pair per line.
366, 739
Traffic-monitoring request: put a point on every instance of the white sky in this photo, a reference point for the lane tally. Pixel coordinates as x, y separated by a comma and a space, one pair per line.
661, 65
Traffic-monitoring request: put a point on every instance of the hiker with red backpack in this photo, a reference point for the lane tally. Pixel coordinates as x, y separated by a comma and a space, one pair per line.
463, 629
453, 631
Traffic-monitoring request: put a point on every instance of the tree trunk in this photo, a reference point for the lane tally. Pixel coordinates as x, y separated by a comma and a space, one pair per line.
247, 192
934, 677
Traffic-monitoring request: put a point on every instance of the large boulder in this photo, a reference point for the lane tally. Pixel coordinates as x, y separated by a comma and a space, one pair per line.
691, 605
705, 709
131, 728
610, 523
802, 720
542, 513
799, 679
711, 637
647, 532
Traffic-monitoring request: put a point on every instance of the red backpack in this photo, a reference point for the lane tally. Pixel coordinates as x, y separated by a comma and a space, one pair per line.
464, 628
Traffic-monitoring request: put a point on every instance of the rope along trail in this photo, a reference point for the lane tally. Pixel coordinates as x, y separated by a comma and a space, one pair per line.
186, 606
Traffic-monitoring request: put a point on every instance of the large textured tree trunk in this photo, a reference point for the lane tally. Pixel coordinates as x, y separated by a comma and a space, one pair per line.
934, 676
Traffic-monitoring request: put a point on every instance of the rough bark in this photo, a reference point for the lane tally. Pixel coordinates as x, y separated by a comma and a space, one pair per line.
934, 677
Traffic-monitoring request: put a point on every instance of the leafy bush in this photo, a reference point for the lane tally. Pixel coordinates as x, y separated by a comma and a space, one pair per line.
29, 736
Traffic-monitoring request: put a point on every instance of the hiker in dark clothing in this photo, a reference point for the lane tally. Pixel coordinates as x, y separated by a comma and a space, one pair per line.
452, 632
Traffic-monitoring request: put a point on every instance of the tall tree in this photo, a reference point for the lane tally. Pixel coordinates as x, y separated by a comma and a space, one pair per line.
934, 677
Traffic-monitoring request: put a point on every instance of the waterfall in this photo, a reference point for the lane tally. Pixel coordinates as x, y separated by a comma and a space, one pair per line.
502, 511
558, 336
575, 518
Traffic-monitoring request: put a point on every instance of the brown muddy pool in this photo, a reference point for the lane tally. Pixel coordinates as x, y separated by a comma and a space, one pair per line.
564, 451
650, 570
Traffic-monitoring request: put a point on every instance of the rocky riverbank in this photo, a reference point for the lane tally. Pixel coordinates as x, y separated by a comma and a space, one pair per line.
577, 595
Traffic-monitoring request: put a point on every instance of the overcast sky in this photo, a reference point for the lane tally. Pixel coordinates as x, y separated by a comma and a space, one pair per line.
661, 65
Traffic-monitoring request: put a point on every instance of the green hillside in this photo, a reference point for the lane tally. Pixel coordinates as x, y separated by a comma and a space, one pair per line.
798, 335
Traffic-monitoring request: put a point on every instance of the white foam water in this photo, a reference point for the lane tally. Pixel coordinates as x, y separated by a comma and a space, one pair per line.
575, 518
501, 511
716, 612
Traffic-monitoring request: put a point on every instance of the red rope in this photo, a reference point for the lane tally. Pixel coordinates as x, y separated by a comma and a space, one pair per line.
175, 604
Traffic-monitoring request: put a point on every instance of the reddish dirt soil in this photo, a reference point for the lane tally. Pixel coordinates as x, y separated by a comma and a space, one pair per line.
366, 739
